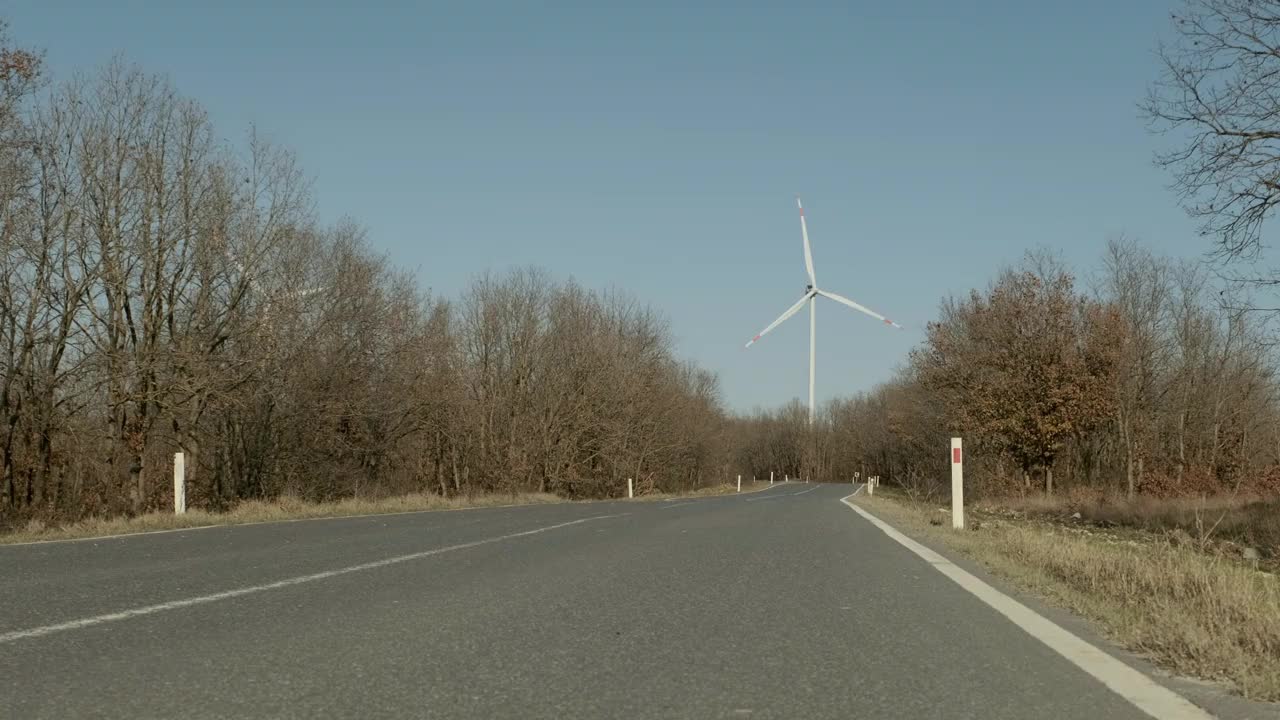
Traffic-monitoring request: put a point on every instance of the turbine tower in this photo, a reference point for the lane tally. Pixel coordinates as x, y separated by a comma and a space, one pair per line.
811, 293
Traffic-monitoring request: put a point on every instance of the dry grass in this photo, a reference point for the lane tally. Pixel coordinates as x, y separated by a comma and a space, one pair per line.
1194, 613
286, 508
292, 508
725, 489
1224, 524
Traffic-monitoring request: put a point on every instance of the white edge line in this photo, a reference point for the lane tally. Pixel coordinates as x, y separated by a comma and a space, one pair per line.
766, 497
732, 495
210, 526
711, 498
284, 521
749, 492
785, 495
287, 582
679, 504
1148, 696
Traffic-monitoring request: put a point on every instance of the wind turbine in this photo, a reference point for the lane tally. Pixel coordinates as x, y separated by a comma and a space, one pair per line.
271, 299
811, 293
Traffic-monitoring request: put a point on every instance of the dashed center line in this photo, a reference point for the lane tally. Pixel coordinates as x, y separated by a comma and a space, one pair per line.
288, 582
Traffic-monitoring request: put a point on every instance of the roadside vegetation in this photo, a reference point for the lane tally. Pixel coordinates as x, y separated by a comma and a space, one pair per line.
1171, 597
1139, 381
258, 511
163, 290
289, 507
1240, 528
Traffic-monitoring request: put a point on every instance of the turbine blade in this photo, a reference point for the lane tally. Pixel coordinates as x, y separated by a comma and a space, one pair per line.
234, 261
808, 254
307, 291
790, 311
846, 301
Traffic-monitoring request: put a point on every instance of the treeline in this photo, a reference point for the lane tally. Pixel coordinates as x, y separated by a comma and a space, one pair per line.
161, 291
1152, 380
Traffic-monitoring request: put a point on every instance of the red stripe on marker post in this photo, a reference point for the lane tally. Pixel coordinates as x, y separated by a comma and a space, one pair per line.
955, 455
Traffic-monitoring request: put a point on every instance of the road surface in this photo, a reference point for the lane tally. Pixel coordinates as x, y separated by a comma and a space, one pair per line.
778, 604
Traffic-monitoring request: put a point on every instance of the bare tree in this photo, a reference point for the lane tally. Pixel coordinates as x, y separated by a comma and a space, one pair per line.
161, 290
1135, 283
1219, 95
20, 72
1026, 365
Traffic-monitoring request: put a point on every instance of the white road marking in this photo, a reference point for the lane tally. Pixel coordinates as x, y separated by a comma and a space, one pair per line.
288, 582
677, 502
767, 497
784, 495
1147, 695
216, 525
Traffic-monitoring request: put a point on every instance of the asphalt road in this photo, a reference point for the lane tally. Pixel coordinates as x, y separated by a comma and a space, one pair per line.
780, 604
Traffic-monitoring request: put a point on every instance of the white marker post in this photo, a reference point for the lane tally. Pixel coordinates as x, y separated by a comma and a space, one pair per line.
871, 485
771, 477
631, 490
957, 484
179, 484
739, 483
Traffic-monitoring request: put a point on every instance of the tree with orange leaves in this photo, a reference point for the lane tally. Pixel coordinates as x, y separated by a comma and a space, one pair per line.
1025, 367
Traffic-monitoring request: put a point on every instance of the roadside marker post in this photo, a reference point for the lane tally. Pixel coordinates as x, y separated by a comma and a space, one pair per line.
739, 483
871, 484
631, 490
771, 477
179, 484
957, 484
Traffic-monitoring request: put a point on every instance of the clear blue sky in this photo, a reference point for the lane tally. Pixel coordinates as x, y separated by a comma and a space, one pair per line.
658, 147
